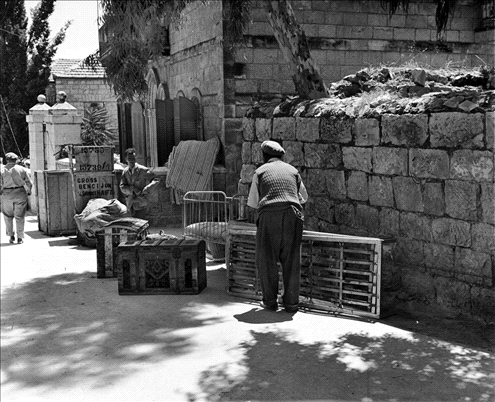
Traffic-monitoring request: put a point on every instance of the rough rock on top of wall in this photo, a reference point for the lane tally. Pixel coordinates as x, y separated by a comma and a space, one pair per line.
374, 92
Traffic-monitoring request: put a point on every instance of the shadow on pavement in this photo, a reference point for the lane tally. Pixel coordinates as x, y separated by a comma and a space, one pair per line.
354, 368
63, 329
262, 316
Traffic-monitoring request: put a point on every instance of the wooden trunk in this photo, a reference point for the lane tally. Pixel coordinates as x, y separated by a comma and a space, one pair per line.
162, 267
56, 204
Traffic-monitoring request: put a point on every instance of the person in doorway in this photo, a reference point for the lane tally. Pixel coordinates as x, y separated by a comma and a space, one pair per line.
136, 186
277, 192
15, 187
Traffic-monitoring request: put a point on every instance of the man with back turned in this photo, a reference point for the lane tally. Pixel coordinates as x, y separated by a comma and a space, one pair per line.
277, 192
15, 187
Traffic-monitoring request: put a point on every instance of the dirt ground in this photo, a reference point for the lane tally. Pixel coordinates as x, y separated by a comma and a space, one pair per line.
66, 335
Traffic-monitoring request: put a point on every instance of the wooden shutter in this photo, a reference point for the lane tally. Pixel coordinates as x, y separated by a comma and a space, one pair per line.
138, 138
185, 120
164, 129
125, 128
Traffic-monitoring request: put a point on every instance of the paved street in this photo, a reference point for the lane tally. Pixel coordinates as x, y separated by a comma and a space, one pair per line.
69, 336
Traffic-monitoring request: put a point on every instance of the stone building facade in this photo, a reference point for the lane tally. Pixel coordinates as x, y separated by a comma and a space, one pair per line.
345, 36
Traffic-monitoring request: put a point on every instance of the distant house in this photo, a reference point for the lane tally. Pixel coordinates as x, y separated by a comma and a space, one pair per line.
85, 87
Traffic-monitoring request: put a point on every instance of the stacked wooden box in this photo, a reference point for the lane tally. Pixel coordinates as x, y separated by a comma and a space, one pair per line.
108, 239
162, 266
62, 193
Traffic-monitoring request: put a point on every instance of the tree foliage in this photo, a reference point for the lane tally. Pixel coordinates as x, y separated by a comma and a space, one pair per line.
136, 35
444, 10
13, 64
26, 55
42, 49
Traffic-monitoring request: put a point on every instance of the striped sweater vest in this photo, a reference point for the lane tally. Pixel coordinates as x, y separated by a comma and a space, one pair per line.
278, 185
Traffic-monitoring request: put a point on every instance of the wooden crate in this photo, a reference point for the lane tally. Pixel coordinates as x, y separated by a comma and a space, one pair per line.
338, 273
91, 185
56, 207
162, 267
108, 239
55, 202
341, 273
93, 158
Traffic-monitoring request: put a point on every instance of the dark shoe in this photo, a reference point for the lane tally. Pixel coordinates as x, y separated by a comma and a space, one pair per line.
271, 306
12, 239
291, 308
20, 241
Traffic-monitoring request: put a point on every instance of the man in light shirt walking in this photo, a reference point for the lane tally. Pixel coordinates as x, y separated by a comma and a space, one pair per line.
15, 187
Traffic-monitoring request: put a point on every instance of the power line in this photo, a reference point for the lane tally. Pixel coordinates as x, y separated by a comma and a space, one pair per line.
10, 32
11, 130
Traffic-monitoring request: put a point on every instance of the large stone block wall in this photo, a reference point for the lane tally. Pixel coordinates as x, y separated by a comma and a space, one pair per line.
347, 36
425, 180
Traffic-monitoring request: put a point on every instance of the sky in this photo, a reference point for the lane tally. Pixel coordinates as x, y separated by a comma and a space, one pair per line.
82, 36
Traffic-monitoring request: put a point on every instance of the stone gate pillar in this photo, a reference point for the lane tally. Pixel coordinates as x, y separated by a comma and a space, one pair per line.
63, 127
36, 121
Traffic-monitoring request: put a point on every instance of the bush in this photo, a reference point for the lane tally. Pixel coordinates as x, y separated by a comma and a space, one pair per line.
94, 129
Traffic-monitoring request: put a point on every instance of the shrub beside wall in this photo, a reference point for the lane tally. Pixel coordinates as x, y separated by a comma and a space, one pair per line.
427, 180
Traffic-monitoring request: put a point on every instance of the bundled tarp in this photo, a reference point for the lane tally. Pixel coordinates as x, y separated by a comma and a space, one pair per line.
191, 166
96, 215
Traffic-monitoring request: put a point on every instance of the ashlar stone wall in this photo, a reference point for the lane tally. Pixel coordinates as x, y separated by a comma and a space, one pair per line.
426, 180
346, 36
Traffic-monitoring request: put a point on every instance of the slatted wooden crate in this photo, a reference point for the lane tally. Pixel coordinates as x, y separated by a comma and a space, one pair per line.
55, 202
242, 275
56, 207
162, 267
108, 239
338, 273
341, 273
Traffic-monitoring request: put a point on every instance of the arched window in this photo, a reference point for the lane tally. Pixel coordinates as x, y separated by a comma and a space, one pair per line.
196, 97
152, 80
164, 124
176, 120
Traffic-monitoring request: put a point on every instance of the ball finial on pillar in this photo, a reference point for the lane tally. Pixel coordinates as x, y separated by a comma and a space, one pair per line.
41, 98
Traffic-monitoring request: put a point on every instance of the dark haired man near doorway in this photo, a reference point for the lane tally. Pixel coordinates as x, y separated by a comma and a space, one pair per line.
136, 186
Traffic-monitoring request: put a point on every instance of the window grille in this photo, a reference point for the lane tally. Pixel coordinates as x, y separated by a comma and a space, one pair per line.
487, 14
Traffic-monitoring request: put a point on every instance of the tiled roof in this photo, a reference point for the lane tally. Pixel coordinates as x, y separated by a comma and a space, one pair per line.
73, 68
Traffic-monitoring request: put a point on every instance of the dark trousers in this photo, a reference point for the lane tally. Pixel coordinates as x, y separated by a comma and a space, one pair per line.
278, 239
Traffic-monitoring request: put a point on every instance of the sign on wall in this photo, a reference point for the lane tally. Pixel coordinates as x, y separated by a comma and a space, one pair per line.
93, 159
96, 185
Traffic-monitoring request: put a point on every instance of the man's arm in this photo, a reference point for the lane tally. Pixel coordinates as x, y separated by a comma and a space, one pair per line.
254, 197
28, 183
303, 193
